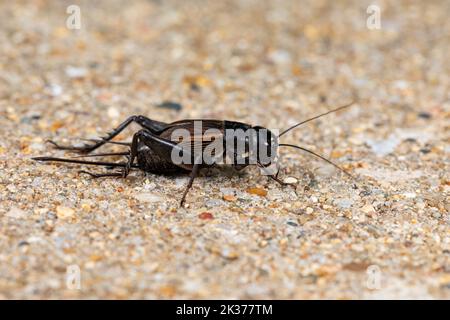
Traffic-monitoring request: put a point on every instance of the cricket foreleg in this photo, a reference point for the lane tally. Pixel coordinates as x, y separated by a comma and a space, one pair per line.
275, 178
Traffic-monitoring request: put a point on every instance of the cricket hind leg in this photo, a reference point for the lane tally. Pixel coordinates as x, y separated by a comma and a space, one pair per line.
108, 165
158, 157
149, 124
107, 154
153, 154
101, 175
78, 161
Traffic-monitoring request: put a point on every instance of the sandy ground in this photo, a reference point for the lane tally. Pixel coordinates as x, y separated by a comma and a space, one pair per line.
242, 236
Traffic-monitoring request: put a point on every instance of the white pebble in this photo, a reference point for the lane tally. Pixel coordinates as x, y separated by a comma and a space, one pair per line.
16, 213
290, 180
64, 212
228, 191
280, 57
368, 209
74, 72
147, 197
113, 112
410, 195
55, 90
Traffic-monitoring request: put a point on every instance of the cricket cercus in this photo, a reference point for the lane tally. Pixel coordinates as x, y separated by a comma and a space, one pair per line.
188, 146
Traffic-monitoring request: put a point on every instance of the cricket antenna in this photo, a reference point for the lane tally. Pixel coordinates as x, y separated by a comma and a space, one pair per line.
316, 117
317, 155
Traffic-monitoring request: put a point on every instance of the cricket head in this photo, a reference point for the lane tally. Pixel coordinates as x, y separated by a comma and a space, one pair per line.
266, 145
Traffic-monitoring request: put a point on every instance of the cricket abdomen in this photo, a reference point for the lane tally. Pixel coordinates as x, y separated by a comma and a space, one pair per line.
149, 161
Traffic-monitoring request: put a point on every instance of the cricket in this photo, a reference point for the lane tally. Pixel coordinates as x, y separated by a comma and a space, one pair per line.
158, 147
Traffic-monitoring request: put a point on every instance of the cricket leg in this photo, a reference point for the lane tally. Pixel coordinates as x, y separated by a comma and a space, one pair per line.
71, 160
149, 124
126, 153
93, 163
133, 154
102, 175
272, 176
162, 149
275, 178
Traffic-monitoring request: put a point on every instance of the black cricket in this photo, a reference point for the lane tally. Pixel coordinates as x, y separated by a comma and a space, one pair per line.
151, 148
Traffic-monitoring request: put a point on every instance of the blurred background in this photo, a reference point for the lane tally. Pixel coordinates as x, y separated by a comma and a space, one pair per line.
72, 69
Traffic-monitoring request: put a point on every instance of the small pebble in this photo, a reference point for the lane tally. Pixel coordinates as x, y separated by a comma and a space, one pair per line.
228, 191
229, 254
147, 197
409, 195
344, 203
74, 72
86, 207
213, 203
424, 115
16, 213
230, 198
206, 216
55, 90
113, 113
258, 191
280, 57
290, 180
170, 105
437, 214
368, 208
64, 212
23, 243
